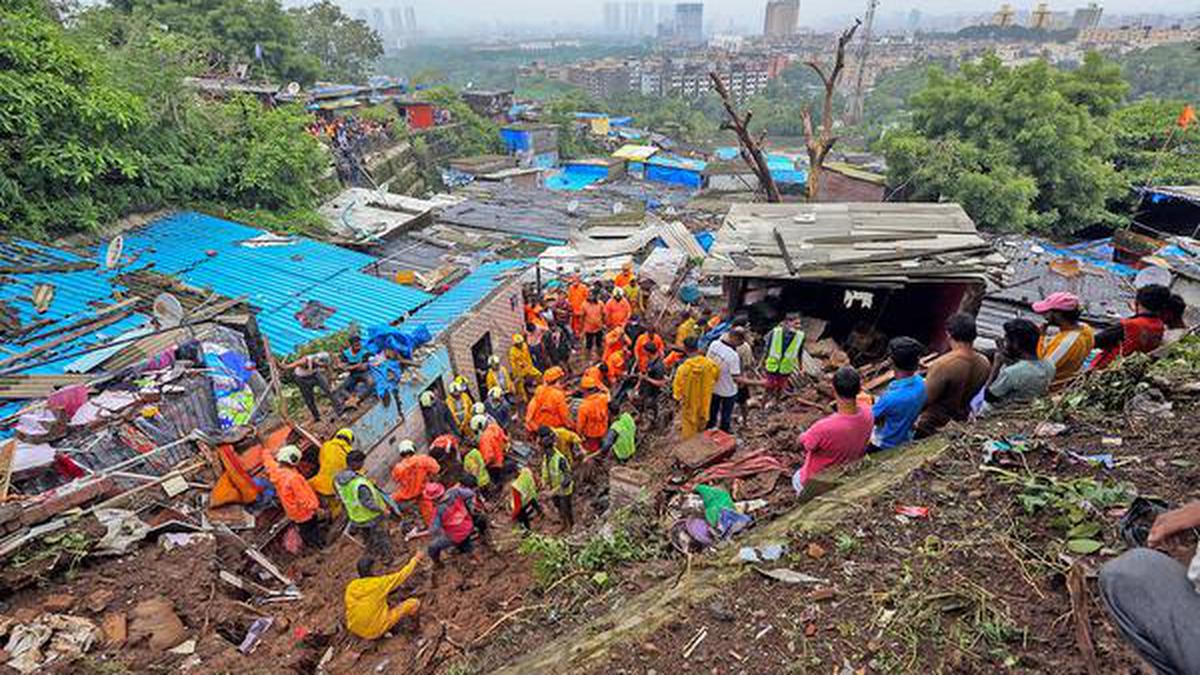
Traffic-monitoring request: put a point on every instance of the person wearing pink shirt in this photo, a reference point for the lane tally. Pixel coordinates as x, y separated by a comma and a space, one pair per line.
838, 438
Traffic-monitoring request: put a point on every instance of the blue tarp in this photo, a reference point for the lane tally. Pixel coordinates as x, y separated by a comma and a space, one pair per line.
620, 121
574, 177
403, 341
516, 140
705, 239
673, 175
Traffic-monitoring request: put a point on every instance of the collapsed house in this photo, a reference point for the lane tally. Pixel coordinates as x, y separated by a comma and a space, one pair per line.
890, 269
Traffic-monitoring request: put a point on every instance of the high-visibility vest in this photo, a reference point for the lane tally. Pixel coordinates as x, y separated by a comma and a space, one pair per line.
781, 360
475, 465
358, 512
626, 430
552, 473
524, 488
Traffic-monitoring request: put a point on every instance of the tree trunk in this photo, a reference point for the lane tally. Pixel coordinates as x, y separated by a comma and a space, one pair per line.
751, 148
818, 143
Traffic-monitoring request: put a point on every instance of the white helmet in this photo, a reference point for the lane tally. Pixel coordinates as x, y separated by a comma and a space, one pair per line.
618, 292
407, 447
493, 360
496, 393
478, 409
479, 422
426, 399
288, 454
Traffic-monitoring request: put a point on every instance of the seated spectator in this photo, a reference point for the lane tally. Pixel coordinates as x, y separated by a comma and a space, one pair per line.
900, 404
954, 378
1069, 347
1172, 318
1025, 377
838, 438
1153, 599
1140, 333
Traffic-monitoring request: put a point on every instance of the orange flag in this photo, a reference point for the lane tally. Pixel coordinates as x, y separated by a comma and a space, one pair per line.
1187, 117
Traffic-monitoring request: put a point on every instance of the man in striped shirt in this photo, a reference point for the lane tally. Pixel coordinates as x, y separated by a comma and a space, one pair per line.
1068, 348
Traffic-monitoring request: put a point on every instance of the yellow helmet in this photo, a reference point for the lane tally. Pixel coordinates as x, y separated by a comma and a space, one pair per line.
345, 434
288, 454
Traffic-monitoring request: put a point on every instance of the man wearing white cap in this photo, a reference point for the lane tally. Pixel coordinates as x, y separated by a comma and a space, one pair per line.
1068, 348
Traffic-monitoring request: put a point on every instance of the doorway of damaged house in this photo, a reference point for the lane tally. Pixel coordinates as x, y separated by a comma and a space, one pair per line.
481, 351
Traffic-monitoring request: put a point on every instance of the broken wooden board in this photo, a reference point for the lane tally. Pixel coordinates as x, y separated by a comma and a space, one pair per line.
703, 449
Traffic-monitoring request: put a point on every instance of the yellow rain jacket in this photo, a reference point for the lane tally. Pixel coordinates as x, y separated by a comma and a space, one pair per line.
521, 363
367, 613
332, 460
693, 388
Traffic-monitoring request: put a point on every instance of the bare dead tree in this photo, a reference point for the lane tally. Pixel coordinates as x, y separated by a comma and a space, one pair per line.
750, 148
819, 143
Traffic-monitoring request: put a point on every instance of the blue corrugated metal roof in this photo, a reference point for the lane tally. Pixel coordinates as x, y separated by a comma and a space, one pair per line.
449, 306
75, 293
208, 252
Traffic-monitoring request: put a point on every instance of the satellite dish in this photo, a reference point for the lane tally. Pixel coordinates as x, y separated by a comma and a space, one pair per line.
113, 255
167, 310
293, 88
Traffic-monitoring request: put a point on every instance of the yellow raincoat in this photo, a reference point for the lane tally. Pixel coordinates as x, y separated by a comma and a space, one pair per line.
521, 363
498, 377
332, 460
686, 330
367, 613
693, 388
460, 409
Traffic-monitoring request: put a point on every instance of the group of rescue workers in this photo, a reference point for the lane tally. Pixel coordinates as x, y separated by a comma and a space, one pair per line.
597, 345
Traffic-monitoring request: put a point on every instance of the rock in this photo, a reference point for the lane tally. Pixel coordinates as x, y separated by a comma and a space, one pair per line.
116, 629
815, 551
58, 602
26, 614
99, 599
156, 619
720, 611
822, 594
650, 648
810, 630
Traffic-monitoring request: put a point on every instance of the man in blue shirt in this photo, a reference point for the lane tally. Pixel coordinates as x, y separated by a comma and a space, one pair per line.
900, 404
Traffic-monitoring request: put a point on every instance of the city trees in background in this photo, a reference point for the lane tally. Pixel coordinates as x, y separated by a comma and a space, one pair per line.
1165, 71
1153, 147
1024, 148
473, 135
346, 48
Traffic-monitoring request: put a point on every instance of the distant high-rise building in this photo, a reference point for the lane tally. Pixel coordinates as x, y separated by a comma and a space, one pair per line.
1040, 18
612, 18
648, 22
631, 18
689, 22
410, 19
397, 15
362, 15
1088, 17
377, 21
781, 19
1004, 17
914, 20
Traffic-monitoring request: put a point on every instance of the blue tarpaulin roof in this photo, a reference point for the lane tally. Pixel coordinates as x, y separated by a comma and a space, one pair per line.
454, 303
207, 252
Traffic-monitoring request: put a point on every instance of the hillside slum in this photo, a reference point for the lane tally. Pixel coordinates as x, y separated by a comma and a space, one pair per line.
147, 378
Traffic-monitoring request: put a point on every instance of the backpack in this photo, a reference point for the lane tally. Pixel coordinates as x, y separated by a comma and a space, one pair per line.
456, 521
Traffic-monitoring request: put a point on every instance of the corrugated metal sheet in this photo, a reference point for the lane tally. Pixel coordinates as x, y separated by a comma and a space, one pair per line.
207, 252
456, 302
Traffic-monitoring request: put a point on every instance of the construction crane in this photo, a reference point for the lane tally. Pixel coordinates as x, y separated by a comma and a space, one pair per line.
864, 52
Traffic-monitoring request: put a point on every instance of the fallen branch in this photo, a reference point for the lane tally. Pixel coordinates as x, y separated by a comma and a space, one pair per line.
1079, 610
504, 618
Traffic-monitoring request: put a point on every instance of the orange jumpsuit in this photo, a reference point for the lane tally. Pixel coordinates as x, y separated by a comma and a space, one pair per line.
639, 349
492, 444
617, 312
577, 295
594, 372
298, 498
616, 367
548, 408
593, 420
411, 474
614, 340
623, 279
593, 316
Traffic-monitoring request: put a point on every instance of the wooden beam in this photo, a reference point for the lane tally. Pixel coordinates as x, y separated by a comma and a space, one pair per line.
787, 257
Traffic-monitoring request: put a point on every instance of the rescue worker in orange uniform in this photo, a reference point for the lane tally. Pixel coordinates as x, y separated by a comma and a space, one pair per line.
639, 348
411, 475
617, 310
549, 404
297, 497
599, 374
593, 323
577, 296
592, 423
493, 444
614, 340
625, 277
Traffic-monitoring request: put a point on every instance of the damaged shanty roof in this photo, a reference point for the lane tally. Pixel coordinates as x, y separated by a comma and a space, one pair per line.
529, 213
881, 242
371, 215
278, 275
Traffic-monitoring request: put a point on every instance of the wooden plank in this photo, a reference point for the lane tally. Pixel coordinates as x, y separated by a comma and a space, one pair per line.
7, 451
115, 307
84, 330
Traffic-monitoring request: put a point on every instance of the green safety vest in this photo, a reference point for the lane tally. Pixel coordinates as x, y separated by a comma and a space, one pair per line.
552, 474
473, 464
525, 486
781, 360
626, 430
358, 512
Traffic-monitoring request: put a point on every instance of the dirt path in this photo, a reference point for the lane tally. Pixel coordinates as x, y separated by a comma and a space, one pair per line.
639, 616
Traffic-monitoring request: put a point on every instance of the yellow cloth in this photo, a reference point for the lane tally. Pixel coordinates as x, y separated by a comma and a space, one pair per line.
460, 410
367, 613
686, 330
332, 460
1067, 350
521, 363
566, 441
693, 388
497, 375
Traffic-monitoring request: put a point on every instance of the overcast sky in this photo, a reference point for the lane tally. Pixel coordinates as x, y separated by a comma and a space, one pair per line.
446, 14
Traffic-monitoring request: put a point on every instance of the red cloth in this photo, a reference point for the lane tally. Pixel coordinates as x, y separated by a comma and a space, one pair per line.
835, 439
1142, 334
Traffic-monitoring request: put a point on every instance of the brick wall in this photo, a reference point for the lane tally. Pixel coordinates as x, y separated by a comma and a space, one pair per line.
837, 187
501, 314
